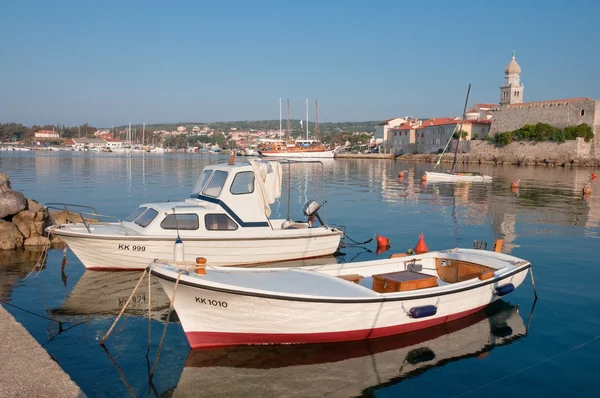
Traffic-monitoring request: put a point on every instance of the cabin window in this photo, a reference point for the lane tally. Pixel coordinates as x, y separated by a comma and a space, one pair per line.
146, 217
215, 185
202, 181
219, 222
243, 183
180, 222
135, 214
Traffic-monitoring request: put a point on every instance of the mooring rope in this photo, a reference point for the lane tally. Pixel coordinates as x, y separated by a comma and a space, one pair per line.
123, 309
529, 367
29, 312
162, 338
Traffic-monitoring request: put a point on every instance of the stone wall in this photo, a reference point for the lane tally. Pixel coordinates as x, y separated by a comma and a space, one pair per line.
555, 113
570, 153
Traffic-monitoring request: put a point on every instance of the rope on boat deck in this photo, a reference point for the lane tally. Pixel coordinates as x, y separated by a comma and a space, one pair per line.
123, 309
162, 338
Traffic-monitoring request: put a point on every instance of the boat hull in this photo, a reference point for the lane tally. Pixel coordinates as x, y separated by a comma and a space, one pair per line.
435, 176
135, 252
216, 317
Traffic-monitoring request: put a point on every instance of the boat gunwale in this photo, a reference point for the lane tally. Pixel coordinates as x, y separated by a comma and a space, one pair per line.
380, 298
331, 231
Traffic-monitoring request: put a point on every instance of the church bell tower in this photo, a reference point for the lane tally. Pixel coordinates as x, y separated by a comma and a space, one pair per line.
511, 92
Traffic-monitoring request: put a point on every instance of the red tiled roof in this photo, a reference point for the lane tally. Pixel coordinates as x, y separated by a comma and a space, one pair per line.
549, 102
486, 105
439, 121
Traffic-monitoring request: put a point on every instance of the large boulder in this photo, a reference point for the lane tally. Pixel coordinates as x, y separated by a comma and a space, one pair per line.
34, 205
30, 223
11, 238
11, 202
37, 241
4, 183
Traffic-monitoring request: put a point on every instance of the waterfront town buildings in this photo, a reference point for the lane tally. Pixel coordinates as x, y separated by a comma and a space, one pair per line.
481, 120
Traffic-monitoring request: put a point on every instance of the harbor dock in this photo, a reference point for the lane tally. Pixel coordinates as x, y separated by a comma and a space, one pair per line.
26, 369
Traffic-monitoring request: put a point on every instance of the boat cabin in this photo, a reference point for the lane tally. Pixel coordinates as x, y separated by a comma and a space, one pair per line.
225, 198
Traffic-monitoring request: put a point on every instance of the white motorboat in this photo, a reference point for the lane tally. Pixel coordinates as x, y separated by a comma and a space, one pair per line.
225, 220
340, 302
456, 176
346, 369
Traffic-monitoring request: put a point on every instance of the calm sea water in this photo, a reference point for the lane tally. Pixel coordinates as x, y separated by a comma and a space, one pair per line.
508, 350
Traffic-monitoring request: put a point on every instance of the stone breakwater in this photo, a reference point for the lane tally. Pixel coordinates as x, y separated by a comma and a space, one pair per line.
570, 153
22, 220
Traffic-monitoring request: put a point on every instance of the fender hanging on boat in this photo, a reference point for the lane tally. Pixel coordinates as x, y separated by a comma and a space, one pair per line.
504, 289
423, 311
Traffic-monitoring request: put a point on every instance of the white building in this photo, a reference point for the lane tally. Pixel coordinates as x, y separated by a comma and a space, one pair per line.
381, 133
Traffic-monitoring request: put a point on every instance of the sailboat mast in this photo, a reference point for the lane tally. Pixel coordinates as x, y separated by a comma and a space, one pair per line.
307, 118
317, 119
461, 126
288, 119
143, 132
279, 117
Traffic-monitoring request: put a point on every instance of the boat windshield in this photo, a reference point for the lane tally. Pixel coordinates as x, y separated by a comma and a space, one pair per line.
135, 214
215, 185
202, 181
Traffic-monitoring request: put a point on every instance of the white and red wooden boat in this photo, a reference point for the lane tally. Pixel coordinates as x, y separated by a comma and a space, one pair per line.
221, 306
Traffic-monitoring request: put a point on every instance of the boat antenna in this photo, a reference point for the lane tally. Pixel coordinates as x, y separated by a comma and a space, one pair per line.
460, 127
288, 120
176, 226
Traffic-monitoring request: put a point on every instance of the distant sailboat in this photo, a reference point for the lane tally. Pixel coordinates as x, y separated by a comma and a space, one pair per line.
298, 148
451, 174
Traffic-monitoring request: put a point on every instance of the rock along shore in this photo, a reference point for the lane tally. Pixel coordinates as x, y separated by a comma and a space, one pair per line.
26, 369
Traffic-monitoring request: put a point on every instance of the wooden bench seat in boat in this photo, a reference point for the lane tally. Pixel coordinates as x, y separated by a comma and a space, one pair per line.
402, 281
351, 277
452, 271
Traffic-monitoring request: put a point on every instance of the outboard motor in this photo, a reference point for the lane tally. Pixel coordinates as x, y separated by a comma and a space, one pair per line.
311, 211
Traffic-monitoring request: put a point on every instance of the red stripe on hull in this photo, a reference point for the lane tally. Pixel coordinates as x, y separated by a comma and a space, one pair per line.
219, 339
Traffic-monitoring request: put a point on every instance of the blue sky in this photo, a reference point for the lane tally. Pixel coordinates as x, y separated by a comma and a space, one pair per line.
110, 62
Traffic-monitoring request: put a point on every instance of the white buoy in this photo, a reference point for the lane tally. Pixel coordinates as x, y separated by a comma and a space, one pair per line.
178, 250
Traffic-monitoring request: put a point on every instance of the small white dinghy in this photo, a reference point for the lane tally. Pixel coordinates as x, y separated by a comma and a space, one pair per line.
340, 302
453, 175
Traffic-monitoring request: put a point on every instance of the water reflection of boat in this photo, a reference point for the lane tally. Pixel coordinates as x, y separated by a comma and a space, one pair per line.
103, 293
346, 369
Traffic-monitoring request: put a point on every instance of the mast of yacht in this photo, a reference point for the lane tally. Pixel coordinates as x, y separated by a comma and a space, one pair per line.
317, 120
307, 118
460, 127
143, 132
279, 117
288, 120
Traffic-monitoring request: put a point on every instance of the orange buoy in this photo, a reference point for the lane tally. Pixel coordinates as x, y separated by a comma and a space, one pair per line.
593, 175
382, 249
587, 189
382, 243
421, 247
424, 178
401, 174
515, 184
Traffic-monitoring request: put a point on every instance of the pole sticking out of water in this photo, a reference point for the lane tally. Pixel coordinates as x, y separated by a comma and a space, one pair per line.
533, 282
123, 309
